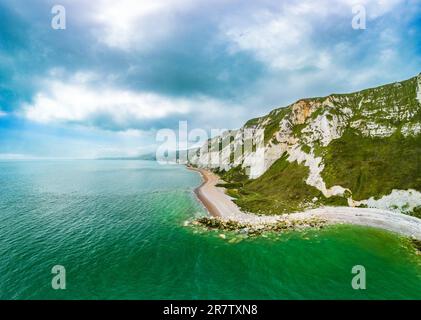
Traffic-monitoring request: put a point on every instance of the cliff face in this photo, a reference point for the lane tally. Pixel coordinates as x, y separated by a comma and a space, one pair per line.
359, 147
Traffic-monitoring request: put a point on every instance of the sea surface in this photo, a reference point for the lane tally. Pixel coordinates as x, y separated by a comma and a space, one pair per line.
118, 229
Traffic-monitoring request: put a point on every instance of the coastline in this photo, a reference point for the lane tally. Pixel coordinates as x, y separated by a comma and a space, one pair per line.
220, 205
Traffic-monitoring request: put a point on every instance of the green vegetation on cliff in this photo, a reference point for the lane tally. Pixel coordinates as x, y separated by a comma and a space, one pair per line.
281, 189
372, 166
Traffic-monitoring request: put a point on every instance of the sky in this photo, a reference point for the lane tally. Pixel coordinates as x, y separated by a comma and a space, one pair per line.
122, 70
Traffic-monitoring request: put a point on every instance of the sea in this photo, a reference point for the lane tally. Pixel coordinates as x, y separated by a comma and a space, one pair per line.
118, 229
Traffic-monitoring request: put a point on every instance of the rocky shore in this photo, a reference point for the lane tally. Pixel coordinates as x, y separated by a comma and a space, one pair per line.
250, 229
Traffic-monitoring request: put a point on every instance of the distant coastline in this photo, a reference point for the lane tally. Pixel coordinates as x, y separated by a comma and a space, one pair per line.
221, 205
146, 157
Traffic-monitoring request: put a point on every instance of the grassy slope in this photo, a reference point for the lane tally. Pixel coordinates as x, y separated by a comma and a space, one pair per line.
281, 189
373, 166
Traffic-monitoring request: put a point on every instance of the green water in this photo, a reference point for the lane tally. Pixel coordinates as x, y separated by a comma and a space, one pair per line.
117, 228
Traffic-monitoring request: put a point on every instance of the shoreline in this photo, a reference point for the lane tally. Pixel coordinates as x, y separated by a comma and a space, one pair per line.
201, 195
220, 205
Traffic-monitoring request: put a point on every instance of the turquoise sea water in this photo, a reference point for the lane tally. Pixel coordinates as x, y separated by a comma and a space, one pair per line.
117, 228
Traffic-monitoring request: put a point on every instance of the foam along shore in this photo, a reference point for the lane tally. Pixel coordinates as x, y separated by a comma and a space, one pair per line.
219, 204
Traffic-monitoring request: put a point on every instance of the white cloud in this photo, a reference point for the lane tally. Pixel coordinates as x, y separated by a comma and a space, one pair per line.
82, 102
136, 23
2, 114
76, 103
275, 39
283, 38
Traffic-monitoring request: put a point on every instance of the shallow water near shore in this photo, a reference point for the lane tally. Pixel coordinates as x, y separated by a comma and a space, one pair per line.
118, 229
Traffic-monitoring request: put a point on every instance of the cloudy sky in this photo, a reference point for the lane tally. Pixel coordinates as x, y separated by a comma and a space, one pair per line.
121, 70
